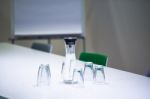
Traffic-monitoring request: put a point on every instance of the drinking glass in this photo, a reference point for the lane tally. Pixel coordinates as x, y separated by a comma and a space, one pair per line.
67, 71
99, 74
78, 79
44, 75
88, 71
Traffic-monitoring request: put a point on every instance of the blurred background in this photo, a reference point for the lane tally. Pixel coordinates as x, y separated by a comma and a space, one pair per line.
117, 28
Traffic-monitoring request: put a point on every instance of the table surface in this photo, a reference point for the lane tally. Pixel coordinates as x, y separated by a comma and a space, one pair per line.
18, 74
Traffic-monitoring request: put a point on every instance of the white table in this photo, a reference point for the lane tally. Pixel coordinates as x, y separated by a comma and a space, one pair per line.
18, 72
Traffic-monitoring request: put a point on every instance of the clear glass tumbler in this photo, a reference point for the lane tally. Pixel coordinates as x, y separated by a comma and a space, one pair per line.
88, 71
78, 77
44, 75
99, 74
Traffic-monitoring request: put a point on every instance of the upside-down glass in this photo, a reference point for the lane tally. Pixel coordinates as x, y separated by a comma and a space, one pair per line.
44, 75
67, 71
99, 74
88, 71
78, 78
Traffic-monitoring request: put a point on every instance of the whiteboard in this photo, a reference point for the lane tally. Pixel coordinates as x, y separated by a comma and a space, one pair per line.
48, 17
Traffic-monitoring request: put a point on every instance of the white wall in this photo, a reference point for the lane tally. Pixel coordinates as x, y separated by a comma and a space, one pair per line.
5, 17
118, 28
132, 24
